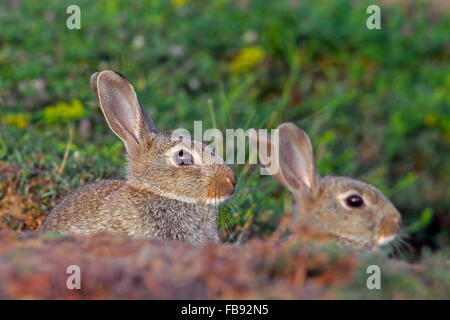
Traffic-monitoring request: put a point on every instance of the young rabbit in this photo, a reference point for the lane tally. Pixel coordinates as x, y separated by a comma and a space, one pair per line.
172, 188
342, 209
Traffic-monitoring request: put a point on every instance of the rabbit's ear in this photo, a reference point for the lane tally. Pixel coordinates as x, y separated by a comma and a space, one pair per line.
297, 160
94, 84
265, 146
121, 108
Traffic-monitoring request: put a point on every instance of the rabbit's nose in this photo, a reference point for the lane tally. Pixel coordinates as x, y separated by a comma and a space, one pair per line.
389, 226
232, 179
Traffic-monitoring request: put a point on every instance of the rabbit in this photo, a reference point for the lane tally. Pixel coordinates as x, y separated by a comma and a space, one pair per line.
172, 187
341, 209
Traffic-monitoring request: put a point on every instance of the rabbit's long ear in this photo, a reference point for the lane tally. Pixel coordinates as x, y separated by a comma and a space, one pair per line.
265, 145
121, 108
297, 160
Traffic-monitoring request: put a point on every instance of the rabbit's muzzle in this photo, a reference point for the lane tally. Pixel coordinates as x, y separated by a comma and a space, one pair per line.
231, 179
223, 186
389, 226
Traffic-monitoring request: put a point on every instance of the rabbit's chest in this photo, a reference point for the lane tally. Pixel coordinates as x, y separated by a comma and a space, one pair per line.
168, 220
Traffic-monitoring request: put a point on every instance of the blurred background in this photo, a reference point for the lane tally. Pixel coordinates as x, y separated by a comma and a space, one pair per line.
376, 103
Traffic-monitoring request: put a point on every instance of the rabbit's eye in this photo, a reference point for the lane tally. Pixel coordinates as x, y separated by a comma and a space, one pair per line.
354, 201
183, 158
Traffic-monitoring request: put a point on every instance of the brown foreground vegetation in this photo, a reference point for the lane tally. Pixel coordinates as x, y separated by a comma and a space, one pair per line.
34, 266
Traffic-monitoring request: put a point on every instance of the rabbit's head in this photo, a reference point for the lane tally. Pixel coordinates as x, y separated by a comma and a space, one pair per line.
346, 210
164, 164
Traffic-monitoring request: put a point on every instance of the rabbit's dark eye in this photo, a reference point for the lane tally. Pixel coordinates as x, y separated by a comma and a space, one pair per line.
183, 158
354, 201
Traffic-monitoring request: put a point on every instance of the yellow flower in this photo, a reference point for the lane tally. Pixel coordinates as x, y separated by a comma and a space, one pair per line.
64, 112
430, 120
447, 137
247, 59
179, 3
18, 120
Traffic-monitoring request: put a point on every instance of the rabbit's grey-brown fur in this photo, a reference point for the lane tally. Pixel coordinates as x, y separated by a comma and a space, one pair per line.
341, 209
161, 198
145, 219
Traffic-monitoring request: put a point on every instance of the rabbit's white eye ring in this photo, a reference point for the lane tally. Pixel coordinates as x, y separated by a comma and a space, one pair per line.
183, 158
354, 201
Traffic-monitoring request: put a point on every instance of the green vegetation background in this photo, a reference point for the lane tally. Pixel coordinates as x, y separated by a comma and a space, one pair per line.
376, 103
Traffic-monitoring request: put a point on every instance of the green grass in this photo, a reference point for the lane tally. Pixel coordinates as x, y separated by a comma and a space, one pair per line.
376, 103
